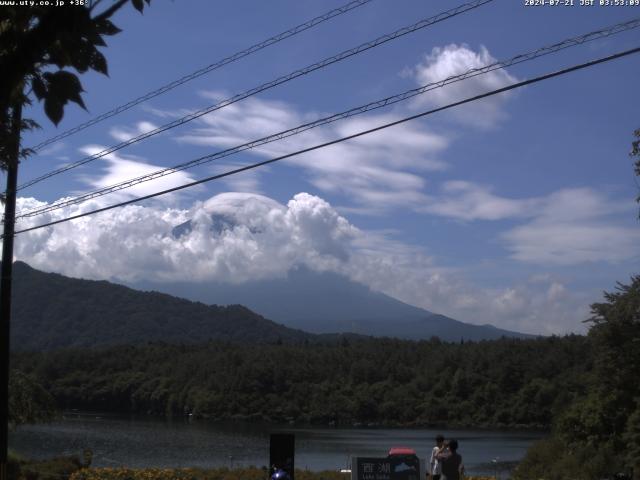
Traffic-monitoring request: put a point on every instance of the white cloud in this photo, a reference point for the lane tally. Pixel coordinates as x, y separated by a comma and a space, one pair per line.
377, 172
566, 227
380, 170
444, 62
572, 243
575, 226
264, 239
247, 181
115, 244
118, 168
53, 150
123, 134
464, 200
239, 237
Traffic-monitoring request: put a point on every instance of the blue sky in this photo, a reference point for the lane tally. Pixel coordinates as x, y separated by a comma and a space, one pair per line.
517, 211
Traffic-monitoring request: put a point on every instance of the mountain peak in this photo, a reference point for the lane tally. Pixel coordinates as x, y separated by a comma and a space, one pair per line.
326, 302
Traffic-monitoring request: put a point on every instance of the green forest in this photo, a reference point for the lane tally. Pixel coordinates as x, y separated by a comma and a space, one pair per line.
376, 381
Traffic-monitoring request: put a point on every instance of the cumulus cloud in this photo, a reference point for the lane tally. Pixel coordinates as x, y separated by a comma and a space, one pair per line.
453, 59
547, 306
239, 237
261, 239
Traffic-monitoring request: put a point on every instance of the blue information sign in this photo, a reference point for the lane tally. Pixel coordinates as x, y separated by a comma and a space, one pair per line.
387, 468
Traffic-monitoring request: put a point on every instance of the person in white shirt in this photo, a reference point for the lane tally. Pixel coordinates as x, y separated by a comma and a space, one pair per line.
434, 469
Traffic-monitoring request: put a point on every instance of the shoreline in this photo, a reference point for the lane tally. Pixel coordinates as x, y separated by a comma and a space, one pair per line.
150, 442
249, 420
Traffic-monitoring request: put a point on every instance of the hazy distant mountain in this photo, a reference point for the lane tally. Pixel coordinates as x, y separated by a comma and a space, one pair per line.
52, 311
327, 302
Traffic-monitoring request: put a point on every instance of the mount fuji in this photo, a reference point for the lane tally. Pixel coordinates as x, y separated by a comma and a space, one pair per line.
305, 299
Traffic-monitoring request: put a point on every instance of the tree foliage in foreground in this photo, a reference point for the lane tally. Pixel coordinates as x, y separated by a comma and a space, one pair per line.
599, 434
41, 49
635, 153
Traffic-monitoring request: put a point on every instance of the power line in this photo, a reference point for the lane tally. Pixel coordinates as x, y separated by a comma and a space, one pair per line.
604, 32
542, 51
343, 139
202, 71
266, 86
280, 80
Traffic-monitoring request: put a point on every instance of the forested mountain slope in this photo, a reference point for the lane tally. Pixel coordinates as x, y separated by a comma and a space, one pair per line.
51, 311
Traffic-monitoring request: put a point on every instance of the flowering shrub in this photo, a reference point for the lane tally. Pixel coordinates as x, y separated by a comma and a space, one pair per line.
194, 474
200, 474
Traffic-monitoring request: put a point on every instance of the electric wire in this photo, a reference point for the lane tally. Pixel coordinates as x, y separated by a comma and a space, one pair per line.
265, 86
542, 51
202, 71
513, 86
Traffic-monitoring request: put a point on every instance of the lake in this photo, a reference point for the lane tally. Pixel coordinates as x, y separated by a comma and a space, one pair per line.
151, 442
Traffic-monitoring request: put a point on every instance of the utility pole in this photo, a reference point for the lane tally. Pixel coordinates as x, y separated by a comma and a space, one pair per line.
12, 160
40, 39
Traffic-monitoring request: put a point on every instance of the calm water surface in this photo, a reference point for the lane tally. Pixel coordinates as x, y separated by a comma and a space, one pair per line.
147, 442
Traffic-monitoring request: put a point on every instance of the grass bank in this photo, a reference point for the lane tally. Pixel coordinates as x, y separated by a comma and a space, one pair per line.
73, 468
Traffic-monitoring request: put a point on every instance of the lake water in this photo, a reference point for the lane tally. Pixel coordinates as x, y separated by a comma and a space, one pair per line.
149, 442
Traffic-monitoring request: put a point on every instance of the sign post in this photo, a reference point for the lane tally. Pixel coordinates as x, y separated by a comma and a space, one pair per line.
387, 468
282, 448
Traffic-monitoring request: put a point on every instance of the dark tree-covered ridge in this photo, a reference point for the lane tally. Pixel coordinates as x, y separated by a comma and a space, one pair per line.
52, 311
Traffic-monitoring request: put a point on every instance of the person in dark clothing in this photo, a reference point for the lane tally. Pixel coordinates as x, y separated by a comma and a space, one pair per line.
451, 462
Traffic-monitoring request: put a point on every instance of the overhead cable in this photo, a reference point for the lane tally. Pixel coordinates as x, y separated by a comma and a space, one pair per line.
542, 51
340, 140
266, 86
202, 71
